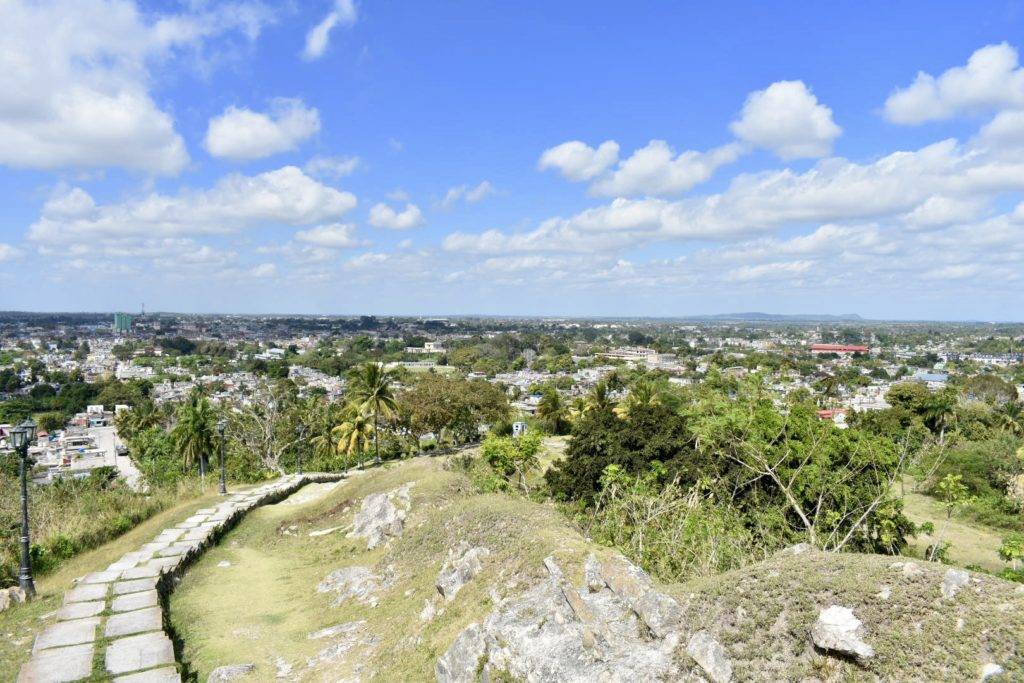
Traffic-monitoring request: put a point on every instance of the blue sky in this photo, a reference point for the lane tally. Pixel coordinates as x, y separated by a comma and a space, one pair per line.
594, 158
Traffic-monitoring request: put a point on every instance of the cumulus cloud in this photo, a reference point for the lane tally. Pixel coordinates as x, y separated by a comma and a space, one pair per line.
318, 38
578, 161
263, 270
285, 196
940, 211
469, 194
8, 252
383, 216
657, 170
787, 119
332, 236
991, 79
769, 271
242, 134
75, 80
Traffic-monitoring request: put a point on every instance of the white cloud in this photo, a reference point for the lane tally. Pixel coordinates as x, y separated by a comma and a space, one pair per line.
318, 38
383, 216
243, 134
992, 79
332, 167
75, 80
940, 211
332, 236
578, 161
953, 272
787, 119
470, 194
8, 252
398, 195
286, 197
656, 170
769, 271
263, 270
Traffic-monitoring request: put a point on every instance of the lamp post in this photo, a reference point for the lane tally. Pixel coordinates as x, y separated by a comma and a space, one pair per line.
301, 431
221, 426
21, 437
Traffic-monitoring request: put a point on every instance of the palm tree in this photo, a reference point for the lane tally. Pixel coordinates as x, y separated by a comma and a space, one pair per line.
369, 388
646, 393
551, 410
194, 433
1011, 418
599, 397
577, 408
354, 434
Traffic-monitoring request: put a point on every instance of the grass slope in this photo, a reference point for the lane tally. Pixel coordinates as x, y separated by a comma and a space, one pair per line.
262, 608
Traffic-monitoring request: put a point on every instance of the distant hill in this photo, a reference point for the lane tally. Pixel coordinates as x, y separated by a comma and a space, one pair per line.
779, 317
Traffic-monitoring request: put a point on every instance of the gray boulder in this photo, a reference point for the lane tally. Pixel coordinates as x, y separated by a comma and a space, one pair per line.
462, 565
358, 583
838, 630
711, 656
658, 611
382, 516
953, 581
461, 663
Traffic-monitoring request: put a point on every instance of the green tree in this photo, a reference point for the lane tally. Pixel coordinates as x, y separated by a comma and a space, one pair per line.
1012, 550
353, 436
194, 432
551, 411
369, 388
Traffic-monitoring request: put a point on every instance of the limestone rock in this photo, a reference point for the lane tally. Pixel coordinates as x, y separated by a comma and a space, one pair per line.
798, 549
222, 674
837, 629
592, 574
359, 583
953, 581
711, 656
556, 632
382, 516
429, 611
991, 669
462, 565
658, 611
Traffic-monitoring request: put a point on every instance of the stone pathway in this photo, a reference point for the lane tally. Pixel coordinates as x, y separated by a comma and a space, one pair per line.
112, 621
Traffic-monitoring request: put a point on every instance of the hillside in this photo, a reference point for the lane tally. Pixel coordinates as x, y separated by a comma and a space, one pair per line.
291, 594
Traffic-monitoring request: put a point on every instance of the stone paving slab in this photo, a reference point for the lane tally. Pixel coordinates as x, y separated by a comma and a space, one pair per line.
139, 652
81, 610
139, 621
134, 601
86, 593
144, 651
165, 675
66, 633
134, 586
58, 665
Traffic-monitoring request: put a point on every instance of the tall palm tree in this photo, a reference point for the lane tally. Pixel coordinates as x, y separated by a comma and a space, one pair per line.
551, 410
354, 434
599, 397
194, 433
646, 392
369, 388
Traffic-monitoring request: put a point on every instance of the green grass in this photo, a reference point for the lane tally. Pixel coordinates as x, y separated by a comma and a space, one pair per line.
20, 624
973, 544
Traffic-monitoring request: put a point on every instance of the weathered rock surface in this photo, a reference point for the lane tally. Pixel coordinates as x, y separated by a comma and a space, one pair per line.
711, 656
462, 565
382, 516
555, 632
838, 630
953, 581
358, 583
222, 674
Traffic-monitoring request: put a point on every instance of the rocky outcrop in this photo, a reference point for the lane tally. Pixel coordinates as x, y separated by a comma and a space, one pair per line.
11, 596
711, 656
616, 628
462, 565
357, 583
838, 630
382, 516
953, 581
223, 674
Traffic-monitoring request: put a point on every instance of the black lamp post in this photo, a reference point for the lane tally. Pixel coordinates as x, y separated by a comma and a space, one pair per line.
301, 431
221, 426
21, 437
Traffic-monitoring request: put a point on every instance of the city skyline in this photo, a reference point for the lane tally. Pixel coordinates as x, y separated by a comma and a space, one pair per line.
470, 159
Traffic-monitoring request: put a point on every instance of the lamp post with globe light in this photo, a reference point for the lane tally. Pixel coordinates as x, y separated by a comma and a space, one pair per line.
21, 437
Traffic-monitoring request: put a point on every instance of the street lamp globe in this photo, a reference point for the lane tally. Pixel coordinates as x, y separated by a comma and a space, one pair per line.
19, 437
31, 429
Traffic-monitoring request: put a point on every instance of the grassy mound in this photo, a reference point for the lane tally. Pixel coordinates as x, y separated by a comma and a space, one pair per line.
264, 605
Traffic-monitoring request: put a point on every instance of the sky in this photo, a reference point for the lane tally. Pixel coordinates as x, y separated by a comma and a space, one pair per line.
513, 158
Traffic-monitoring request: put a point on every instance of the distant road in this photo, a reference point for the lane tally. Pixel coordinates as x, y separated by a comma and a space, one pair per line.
108, 441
